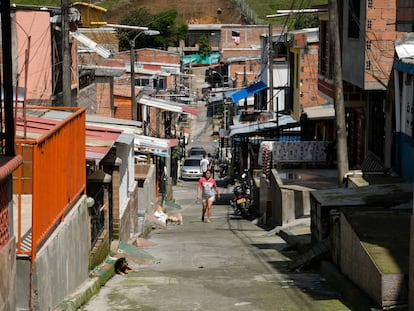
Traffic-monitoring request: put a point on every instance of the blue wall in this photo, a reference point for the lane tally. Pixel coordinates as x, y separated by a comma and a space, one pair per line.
406, 157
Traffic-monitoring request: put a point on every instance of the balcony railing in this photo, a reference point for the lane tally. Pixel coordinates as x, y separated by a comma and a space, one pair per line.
52, 177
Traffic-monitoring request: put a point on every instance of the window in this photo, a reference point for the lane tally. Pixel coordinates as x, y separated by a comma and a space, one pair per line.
323, 62
159, 83
354, 14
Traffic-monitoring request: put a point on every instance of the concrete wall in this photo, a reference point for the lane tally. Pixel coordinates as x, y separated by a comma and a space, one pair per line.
61, 264
281, 204
385, 288
355, 262
8, 276
128, 227
127, 189
354, 48
146, 199
301, 200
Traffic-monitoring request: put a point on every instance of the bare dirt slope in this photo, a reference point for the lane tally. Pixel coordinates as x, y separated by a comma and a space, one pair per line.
191, 11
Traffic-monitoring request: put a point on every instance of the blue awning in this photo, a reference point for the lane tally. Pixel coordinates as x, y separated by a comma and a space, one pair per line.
402, 66
247, 91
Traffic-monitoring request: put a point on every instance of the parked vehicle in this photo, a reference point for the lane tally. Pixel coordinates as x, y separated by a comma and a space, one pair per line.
242, 201
245, 182
197, 152
223, 169
190, 169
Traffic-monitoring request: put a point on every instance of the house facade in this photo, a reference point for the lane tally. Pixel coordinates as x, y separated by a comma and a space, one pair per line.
368, 30
403, 107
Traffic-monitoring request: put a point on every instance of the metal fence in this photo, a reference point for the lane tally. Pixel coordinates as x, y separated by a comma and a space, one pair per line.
96, 212
251, 16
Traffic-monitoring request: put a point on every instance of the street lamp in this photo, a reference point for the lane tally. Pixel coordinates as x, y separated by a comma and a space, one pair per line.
147, 32
221, 77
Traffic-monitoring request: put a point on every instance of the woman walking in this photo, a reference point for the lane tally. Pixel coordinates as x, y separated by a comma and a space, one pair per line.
207, 189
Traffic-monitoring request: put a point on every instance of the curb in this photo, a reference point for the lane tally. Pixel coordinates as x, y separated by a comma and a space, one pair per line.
97, 278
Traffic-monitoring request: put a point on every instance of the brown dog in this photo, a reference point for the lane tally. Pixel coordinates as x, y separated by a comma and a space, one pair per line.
121, 266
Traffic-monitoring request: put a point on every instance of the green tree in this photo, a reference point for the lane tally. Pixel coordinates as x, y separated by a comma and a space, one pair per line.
171, 30
306, 21
140, 17
204, 46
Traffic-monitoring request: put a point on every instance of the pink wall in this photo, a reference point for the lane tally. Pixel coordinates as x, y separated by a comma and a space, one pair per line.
39, 78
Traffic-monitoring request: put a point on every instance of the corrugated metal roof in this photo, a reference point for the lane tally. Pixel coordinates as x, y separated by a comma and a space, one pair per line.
255, 127
99, 139
97, 148
168, 105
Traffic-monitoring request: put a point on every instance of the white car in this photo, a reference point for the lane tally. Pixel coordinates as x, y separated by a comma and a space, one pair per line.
190, 169
197, 152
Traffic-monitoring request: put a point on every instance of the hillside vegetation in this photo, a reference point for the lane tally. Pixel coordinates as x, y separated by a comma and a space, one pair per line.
201, 11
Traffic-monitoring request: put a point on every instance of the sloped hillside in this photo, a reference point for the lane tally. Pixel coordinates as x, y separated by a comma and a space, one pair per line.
191, 11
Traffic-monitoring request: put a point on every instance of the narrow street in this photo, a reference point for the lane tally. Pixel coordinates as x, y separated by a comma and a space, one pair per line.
229, 264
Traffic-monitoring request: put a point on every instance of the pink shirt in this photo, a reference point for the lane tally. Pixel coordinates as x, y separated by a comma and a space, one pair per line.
207, 187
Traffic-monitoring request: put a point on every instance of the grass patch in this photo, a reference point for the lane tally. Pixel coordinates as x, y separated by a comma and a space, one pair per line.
263, 8
260, 7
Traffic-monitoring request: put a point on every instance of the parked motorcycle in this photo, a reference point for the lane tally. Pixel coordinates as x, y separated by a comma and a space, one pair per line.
242, 202
223, 169
245, 182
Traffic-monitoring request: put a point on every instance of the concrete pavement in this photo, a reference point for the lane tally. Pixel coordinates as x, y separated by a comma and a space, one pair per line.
229, 264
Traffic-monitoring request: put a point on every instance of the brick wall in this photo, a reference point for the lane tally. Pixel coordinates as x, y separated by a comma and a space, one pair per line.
116, 221
248, 45
237, 69
309, 77
123, 107
103, 104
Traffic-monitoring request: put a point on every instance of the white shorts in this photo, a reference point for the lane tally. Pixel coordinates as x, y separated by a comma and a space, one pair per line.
212, 198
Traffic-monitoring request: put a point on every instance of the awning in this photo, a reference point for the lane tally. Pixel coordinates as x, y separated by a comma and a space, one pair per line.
254, 127
167, 105
247, 91
191, 110
156, 146
91, 44
320, 112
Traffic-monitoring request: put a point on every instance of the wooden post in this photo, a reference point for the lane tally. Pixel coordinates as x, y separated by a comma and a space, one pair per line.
341, 148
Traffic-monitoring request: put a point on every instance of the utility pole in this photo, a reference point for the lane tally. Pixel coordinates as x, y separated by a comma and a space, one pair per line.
66, 63
7, 74
133, 98
270, 64
341, 144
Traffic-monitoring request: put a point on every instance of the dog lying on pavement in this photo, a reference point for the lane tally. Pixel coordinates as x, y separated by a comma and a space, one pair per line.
121, 266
